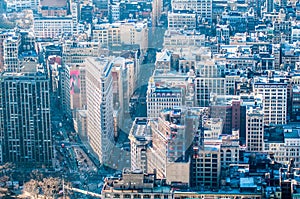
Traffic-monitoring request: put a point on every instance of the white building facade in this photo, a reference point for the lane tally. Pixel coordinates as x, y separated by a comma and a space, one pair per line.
116, 34
275, 101
52, 27
100, 125
19, 5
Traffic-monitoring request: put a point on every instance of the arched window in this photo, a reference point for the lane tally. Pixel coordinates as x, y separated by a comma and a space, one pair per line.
228, 153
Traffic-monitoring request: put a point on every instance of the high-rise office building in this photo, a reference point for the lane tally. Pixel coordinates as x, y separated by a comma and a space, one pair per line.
202, 8
206, 167
3, 36
74, 8
64, 90
232, 110
16, 47
11, 48
168, 90
178, 39
124, 81
57, 8
52, 27
223, 34
75, 52
18, 6
209, 81
99, 96
186, 21
25, 124
117, 34
296, 103
140, 138
255, 129
275, 97
172, 140
159, 98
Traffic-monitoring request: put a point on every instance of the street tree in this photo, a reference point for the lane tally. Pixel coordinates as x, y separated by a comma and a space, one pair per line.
51, 186
32, 187
37, 175
5, 173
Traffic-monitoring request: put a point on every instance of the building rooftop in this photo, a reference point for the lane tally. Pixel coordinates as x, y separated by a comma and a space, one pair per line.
103, 64
53, 3
137, 25
211, 148
247, 182
162, 75
135, 182
165, 55
226, 192
274, 134
266, 80
170, 33
139, 128
246, 100
48, 18
296, 88
29, 70
294, 133
168, 90
255, 110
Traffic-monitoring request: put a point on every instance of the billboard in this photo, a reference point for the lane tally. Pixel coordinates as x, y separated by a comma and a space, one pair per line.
74, 81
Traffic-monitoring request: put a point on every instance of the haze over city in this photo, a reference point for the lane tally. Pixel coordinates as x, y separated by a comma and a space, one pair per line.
160, 99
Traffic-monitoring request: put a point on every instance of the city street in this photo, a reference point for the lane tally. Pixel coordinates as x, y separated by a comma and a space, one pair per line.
76, 162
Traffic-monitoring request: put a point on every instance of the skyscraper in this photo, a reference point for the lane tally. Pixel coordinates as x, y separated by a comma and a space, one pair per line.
25, 125
99, 94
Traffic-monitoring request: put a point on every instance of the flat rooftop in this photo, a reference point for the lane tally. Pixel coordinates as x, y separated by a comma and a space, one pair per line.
54, 3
